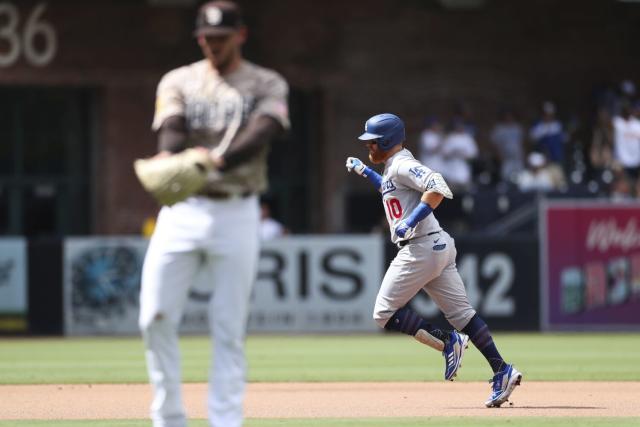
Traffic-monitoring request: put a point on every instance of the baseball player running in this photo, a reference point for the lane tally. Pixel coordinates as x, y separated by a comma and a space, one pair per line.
234, 108
426, 259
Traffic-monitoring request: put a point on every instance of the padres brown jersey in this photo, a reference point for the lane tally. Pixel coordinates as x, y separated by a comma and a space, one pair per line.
217, 107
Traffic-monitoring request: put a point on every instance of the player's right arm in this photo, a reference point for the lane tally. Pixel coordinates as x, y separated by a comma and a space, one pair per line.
268, 120
431, 198
169, 116
172, 135
356, 165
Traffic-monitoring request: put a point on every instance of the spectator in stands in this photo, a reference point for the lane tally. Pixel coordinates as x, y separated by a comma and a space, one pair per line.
507, 136
458, 150
601, 149
462, 113
626, 145
431, 143
627, 94
270, 228
614, 98
628, 88
539, 176
547, 135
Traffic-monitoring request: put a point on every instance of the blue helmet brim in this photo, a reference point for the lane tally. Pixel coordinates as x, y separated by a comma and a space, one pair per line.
369, 136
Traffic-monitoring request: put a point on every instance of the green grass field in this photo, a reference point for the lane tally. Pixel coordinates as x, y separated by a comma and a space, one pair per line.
543, 357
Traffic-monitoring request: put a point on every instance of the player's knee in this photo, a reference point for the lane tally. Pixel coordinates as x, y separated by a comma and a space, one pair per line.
381, 318
146, 323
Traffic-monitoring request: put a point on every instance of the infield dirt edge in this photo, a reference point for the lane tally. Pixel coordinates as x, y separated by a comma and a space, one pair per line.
330, 400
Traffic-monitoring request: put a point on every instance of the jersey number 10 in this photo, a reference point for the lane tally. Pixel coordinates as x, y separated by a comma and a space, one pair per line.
393, 208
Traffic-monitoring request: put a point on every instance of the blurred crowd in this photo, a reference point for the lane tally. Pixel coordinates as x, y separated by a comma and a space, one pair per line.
599, 155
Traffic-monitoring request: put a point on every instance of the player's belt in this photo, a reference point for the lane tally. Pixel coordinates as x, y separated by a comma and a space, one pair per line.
224, 195
404, 243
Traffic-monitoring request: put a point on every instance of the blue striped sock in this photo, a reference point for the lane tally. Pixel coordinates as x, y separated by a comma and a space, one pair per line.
480, 336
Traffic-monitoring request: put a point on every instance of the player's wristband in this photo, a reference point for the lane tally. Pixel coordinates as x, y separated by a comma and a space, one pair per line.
372, 176
418, 214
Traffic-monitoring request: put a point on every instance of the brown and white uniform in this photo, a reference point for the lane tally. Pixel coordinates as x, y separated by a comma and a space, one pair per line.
215, 233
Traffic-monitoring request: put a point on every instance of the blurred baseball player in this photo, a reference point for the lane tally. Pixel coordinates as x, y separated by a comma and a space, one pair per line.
235, 108
426, 259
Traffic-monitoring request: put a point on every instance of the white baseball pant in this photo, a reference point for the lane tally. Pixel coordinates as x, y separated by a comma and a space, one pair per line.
425, 264
221, 238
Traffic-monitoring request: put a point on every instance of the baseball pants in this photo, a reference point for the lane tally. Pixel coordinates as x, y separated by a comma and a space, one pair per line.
428, 265
219, 239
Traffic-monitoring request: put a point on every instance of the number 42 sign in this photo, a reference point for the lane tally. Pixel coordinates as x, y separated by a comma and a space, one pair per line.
37, 39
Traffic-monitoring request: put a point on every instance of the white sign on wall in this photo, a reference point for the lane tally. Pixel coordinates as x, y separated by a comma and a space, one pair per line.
29, 36
305, 284
13, 276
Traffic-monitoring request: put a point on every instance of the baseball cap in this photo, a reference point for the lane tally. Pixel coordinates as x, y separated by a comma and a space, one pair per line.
218, 18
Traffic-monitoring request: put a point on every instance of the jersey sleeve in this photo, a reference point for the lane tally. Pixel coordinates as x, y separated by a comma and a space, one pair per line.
169, 99
636, 125
273, 100
415, 175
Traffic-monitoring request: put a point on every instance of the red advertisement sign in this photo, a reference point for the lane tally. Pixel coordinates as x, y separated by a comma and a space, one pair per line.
590, 255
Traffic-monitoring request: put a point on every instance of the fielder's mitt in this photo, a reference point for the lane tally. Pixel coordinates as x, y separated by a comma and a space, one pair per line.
172, 179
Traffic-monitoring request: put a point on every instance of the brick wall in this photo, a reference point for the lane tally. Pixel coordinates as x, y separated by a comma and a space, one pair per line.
411, 57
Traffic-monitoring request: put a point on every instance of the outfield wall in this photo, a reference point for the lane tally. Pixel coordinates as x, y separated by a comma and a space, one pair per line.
13, 285
584, 275
324, 284
305, 284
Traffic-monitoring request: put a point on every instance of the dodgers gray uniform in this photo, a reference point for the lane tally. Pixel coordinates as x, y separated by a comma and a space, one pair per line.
216, 233
428, 260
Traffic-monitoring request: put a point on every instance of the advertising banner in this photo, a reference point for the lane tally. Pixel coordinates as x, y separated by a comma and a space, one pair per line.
318, 284
101, 284
501, 277
305, 284
590, 255
13, 285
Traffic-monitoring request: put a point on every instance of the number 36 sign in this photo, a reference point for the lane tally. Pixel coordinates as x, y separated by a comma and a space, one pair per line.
29, 36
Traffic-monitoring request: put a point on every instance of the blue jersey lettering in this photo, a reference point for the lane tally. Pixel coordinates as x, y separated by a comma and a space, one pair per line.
387, 187
418, 171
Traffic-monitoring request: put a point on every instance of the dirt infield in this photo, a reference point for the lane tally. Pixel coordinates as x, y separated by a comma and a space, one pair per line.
330, 400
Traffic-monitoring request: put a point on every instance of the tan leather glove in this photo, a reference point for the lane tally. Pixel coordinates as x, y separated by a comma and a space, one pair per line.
172, 178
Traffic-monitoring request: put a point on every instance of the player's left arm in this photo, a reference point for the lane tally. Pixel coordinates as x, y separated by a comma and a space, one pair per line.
259, 132
268, 121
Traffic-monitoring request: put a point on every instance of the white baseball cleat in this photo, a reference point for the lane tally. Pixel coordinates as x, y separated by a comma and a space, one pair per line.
503, 384
453, 352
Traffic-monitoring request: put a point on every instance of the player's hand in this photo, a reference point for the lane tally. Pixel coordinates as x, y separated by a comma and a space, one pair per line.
356, 166
404, 231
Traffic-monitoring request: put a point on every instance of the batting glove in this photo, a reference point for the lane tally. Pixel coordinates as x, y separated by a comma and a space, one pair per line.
356, 166
404, 231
